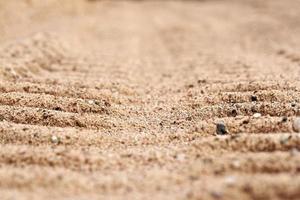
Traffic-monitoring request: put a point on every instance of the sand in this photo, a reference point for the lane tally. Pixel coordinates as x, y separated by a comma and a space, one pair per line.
120, 99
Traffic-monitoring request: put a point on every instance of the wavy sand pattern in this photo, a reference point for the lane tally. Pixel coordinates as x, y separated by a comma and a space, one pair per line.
120, 99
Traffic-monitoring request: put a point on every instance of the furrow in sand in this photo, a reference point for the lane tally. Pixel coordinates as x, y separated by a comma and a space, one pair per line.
260, 186
25, 115
252, 143
71, 91
136, 157
243, 97
81, 159
244, 162
246, 86
238, 124
15, 133
117, 184
52, 102
244, 109
100, 83
58, 180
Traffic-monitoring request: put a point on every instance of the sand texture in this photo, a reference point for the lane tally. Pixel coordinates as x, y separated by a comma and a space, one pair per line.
121, 99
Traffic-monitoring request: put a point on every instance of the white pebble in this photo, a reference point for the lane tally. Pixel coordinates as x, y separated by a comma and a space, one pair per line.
180, 157
296, 125
236, 164
257, 115
54, 139
230, 180
90, 101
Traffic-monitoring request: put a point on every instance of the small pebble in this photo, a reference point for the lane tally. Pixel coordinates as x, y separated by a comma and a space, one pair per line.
68, 137
256, 115
58, 109
230, 180
284, 119
284, 140
246, 121
253, 98
91, 102
296, 125
54, 139
180, 157
234, 113
221, 129
236, 164
97, 103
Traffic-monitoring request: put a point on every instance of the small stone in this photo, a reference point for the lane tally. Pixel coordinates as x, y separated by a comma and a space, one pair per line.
256, 115
253, 98
246, 121
68, 137
236, 164
201, 81
234, 113
97, 103
284, 119
284, 140
180, 157
54, 139
190, 86
57, 109
91, 102
230, 180
296, 125
221, 129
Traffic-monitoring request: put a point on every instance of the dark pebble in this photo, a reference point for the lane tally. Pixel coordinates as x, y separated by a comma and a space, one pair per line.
253, 98
246, 121
284, 119
57, 109
221, 129
234, 113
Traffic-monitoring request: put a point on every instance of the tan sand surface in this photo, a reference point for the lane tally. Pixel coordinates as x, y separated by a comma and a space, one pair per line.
121, 99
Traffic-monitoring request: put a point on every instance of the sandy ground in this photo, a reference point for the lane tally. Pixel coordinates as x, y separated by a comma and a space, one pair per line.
120, 100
